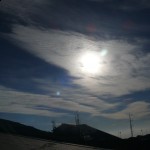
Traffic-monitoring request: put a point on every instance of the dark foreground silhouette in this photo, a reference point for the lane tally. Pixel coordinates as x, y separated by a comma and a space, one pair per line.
20, 129
78, 134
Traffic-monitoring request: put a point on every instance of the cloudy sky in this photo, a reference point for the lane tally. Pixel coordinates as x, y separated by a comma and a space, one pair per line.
62, 56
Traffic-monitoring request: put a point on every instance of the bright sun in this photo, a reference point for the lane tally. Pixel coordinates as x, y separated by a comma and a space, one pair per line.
90, 62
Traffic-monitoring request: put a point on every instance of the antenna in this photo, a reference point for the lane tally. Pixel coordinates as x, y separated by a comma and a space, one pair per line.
131, 128
120, 134
53, 125
141, 132
77, 119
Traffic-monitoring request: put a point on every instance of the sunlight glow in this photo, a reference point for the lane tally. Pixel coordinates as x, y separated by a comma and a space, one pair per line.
90, 62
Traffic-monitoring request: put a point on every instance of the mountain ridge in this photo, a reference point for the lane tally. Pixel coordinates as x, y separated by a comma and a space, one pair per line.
7, 126
77, 134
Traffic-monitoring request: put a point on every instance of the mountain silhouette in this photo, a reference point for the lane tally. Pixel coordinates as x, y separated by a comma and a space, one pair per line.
77, 134
84, 134
11, 127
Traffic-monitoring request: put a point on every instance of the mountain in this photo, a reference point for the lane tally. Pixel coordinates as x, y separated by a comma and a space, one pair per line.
138, 143
78, 134
11, 127
84, 134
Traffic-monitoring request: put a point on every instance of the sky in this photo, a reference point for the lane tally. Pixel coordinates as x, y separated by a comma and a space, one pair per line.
59, 57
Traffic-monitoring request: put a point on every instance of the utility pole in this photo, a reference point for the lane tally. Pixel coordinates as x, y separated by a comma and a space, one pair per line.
120, 134
53, 125
77, 119
141, 132
131, 128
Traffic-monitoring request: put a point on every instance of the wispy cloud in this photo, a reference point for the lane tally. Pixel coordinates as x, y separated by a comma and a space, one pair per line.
124, 67
26, 103
24, 10
133, 5
139, 109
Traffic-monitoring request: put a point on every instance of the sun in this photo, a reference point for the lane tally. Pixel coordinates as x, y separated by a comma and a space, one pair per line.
90, 62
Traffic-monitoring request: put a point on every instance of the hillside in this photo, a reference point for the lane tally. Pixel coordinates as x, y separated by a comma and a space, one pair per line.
7, 126
77, 134
84, 134
14, 142
138, 143
84, 131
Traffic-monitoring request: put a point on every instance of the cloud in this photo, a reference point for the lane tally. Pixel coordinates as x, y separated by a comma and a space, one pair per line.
26, 13
115, 25
37, 104
133, 5
139, 110
70, 101
23, 8
22, 71
125, 66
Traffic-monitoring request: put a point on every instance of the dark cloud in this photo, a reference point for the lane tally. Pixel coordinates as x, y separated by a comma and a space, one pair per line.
103, 19
7, 21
